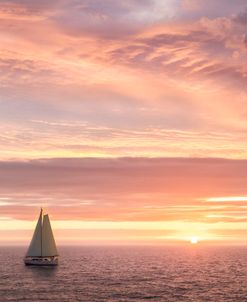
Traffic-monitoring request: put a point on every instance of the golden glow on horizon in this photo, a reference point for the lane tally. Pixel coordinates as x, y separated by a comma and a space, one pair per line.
156, 232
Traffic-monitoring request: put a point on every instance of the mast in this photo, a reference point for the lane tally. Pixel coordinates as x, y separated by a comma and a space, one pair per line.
41, 213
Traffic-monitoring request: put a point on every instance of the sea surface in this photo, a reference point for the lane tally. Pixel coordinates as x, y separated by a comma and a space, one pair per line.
197, 273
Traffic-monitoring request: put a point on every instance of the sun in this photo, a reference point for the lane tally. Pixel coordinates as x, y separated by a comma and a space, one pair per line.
194, 240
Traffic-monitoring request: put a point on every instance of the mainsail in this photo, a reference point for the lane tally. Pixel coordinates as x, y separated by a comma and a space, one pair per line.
48, 243
43, 243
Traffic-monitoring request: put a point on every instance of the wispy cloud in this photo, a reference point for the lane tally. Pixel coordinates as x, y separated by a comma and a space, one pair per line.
160, 78
71, 138
227, 199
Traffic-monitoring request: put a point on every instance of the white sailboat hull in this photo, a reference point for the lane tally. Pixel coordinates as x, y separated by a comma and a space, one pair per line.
41, 261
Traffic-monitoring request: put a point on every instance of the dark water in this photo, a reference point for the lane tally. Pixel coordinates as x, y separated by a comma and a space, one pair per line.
128, 274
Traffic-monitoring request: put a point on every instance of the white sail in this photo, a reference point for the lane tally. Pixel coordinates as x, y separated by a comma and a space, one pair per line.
35, 247
48, 243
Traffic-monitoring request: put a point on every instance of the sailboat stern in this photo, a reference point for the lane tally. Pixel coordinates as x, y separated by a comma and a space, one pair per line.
41, 261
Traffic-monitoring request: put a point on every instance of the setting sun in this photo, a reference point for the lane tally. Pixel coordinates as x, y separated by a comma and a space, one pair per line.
194, 240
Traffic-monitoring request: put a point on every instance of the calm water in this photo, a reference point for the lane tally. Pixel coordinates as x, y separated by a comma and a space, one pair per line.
128, 274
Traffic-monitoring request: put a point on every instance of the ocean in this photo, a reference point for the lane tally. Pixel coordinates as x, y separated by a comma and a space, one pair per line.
190, 273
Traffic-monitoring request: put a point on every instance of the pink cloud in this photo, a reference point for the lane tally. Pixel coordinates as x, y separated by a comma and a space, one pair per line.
129, 189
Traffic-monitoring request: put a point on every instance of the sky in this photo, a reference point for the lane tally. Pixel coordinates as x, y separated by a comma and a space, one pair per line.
124, 120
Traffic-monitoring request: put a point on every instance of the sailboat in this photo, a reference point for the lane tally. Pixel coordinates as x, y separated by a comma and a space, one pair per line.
42, 249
